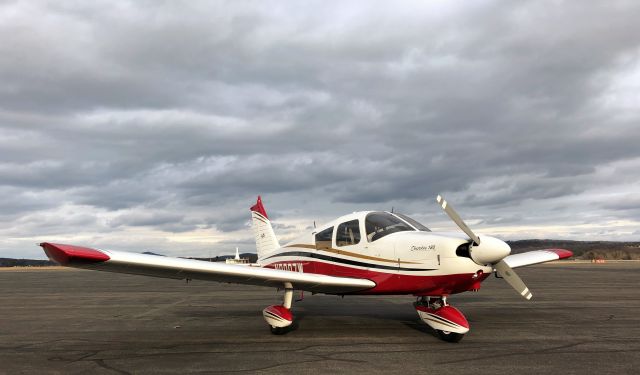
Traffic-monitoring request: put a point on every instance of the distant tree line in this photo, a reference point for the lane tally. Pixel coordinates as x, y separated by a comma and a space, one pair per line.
8, 262
612, 254
582, 249
253, 257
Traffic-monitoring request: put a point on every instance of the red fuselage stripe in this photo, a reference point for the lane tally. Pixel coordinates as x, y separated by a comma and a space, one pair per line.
390, 282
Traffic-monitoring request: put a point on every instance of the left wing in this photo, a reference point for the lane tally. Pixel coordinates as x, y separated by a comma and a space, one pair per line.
179, 268
536, 256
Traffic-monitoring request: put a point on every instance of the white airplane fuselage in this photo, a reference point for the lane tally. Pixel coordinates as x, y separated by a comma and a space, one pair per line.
421, 263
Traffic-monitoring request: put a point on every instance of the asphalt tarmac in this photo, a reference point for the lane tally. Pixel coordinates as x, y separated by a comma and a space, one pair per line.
583, 319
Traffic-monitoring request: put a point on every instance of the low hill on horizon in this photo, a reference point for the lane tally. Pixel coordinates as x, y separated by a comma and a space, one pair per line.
581, 250
10, 262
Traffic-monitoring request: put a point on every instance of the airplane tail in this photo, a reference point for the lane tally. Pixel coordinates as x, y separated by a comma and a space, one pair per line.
266, 240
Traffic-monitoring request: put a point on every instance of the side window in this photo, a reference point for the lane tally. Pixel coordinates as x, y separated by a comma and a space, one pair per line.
323, 239
348, 233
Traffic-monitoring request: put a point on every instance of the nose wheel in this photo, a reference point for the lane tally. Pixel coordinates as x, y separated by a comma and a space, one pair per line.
449, 336
446, 320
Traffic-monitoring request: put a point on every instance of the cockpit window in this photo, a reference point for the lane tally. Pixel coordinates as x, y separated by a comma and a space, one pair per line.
380, 224
413, 222
323, 239
348, 233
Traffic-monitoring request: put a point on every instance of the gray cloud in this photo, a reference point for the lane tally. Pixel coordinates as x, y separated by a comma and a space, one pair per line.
149, 218
171, 118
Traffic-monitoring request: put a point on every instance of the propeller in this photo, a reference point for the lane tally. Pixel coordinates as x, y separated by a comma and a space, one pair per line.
511, 277
448, 209
492, 251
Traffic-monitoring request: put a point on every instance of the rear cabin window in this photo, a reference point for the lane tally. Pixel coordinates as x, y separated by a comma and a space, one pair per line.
323, 239
348, 233
380, 224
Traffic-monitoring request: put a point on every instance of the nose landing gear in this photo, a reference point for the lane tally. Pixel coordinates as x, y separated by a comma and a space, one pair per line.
446, 320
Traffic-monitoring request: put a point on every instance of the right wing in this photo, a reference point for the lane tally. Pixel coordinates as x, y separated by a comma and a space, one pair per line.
179, 268
536, 256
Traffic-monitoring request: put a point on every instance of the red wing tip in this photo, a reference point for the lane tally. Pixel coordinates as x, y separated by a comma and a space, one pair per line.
562, 253
259, 208
73, 255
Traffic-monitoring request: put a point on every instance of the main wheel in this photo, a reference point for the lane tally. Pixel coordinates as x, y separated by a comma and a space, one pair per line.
449, 336
278, 330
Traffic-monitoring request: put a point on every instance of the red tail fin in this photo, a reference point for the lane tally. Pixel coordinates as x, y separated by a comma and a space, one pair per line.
259, 208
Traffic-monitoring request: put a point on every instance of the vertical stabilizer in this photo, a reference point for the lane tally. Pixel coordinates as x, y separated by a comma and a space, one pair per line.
266, 240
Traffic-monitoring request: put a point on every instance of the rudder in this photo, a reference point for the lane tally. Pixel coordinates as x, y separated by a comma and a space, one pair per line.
266, 240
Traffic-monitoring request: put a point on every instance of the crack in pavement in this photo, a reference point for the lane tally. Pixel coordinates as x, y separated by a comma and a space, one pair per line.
101, 363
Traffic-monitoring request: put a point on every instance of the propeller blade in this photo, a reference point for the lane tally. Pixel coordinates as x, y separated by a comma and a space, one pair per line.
456, 219
511, 277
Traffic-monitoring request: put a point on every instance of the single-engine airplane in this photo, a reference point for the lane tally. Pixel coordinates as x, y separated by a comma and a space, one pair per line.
369, 252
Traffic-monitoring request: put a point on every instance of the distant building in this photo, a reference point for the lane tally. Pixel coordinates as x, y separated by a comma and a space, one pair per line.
237, 259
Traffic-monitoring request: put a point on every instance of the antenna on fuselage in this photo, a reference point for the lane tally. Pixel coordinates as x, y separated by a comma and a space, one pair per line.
391, 209
314, 224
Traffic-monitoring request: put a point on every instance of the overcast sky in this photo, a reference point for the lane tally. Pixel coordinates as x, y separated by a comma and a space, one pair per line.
153, 126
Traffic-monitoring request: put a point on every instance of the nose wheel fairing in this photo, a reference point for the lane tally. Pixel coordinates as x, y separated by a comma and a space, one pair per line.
446, 320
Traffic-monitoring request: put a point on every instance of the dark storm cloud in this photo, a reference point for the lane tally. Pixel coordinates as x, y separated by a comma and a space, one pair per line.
173, 117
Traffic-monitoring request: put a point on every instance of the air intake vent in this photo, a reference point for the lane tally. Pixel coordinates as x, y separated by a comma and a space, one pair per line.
463, 251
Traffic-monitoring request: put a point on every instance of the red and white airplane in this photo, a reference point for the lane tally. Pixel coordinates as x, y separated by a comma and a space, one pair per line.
367, 252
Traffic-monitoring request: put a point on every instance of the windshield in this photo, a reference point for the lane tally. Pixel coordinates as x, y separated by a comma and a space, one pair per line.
413, 222
380, 224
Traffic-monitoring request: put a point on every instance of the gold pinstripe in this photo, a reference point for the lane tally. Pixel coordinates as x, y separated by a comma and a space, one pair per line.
349, 253
443, 323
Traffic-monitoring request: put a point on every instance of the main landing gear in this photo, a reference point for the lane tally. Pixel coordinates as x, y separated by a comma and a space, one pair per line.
279, 317
446, 320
